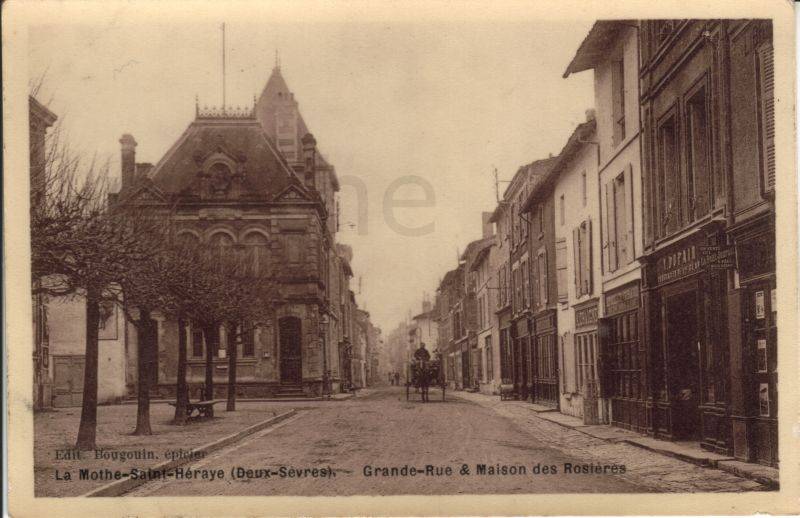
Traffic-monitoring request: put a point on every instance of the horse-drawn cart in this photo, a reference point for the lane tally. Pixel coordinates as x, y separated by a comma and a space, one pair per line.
423, 375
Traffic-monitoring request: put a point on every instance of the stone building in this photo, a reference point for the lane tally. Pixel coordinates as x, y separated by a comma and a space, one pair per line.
452, 332
502, 311
484, 267
534, 287
475, 313
708, 294
40, 119
567, 200
611, 51
252, 181
521, 264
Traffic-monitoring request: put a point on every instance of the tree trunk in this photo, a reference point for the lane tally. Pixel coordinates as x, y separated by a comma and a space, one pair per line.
87, 431
145, 339
181, 387
232, 354
212, 339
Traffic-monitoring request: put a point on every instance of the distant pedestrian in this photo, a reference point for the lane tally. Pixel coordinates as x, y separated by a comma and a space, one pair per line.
397, 378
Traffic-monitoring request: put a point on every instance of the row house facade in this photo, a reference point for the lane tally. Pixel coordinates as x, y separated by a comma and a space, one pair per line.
534, 290
526, 248
253, 182
567, 272
708, 163
473, 310
611, 51
685, 311
484, 267
452, 331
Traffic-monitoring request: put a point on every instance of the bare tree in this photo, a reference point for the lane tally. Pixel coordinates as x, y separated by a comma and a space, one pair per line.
70, 230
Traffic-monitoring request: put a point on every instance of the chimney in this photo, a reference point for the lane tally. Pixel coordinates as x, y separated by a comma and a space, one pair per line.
487, 225
426, 306
128, 154
309, 158
590, 115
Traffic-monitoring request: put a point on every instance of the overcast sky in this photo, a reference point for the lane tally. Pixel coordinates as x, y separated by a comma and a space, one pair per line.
446, 100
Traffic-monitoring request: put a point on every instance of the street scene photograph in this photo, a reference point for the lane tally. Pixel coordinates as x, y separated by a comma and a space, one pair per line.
305, 257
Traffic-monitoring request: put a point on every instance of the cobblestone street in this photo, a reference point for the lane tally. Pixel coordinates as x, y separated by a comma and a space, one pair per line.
382, 430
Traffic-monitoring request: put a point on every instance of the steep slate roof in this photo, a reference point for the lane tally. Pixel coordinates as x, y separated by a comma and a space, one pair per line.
276, 91
266, 171
577, 140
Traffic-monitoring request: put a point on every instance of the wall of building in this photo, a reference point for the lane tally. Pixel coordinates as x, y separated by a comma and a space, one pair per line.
67, 328
575, 212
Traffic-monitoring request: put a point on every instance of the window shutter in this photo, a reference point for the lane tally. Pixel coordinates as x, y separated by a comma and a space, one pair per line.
586, 256
629, 211
767, 87
576, 260
611, 226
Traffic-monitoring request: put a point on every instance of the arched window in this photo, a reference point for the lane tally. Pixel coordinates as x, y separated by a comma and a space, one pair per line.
221, 246
256, 254
187, 239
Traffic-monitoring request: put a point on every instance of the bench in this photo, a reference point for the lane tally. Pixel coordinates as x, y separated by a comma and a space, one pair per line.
203, 408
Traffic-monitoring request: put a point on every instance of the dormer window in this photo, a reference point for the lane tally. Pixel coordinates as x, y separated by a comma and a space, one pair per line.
219, 178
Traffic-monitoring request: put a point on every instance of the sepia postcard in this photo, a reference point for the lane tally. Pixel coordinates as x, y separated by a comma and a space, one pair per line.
400, 259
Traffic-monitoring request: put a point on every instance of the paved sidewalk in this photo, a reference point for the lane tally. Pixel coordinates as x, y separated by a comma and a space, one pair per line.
56, 431
605, 444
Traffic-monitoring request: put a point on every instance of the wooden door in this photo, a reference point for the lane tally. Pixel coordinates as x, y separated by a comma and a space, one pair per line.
290, 350
68, 380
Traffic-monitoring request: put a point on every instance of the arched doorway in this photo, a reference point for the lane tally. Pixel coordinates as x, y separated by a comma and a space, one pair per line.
290, 343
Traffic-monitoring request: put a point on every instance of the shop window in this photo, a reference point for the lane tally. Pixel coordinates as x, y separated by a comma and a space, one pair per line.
561, 269
585, 360
505, 356
625, 368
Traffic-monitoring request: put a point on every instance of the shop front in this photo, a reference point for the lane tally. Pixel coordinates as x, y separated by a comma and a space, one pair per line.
521, 357
685, 306
754, 345
544, 352
623, 359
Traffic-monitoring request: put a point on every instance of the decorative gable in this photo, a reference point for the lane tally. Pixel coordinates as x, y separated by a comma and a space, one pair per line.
146, 192
292, 193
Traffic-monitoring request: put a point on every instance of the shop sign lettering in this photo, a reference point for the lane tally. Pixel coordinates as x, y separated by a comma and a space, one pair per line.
626, 299
586, 316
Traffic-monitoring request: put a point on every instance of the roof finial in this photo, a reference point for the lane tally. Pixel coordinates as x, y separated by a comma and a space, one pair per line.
196, 105
277, 59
